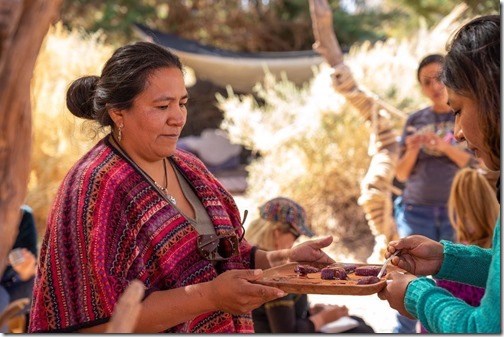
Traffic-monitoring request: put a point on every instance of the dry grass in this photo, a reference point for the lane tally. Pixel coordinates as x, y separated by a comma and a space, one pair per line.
59, 139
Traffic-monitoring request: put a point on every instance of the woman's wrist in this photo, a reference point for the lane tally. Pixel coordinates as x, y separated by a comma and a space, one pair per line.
267, 259
279, 257
413, 149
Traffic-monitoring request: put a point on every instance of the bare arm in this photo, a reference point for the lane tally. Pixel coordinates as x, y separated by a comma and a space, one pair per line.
413, 146
408, 159
306, 251
457, 155
267, 259
230, 292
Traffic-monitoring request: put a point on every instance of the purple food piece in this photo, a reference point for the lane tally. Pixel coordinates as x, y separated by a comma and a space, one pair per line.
327, 274
333, 273
304, 269
368, 280
368, 271
340, 274
349, 268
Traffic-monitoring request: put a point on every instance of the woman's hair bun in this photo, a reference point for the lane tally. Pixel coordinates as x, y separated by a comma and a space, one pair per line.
80, 97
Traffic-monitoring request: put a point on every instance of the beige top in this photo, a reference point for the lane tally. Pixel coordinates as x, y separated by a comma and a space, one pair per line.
202, 223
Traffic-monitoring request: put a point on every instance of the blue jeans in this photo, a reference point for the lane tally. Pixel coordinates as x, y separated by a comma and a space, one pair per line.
10, 291
4, 302
430, 221
405, 325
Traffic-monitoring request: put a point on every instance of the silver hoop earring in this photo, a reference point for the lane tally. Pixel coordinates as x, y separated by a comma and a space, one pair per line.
119, 133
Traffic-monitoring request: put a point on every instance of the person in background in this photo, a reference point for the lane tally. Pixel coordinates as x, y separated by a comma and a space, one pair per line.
473, 211
473, 208
429, 158
471, 74
281, 221
136, 207
18, 278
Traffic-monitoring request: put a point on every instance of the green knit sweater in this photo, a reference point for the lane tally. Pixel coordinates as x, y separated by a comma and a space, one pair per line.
441, 312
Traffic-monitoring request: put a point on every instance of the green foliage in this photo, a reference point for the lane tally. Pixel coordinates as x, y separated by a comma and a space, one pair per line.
412, 13
114, 18
358, 28
277, 25
117, 16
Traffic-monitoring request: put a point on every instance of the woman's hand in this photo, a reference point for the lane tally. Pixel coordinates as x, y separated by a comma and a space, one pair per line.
233, 291
418, 255
414, 142
308, 251
395, 290
311, 251
433, 142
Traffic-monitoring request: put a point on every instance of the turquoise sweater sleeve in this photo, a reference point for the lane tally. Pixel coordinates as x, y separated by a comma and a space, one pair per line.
441, 312
467, 264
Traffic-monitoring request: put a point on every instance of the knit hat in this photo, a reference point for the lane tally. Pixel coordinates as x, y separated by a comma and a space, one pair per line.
288, 211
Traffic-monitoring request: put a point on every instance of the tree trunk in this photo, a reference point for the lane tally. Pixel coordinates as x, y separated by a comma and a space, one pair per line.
23, 26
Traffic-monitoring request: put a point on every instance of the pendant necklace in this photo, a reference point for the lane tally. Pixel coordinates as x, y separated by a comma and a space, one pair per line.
165, 188
161, 189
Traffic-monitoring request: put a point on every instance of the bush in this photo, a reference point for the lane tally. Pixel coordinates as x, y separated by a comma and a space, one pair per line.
313, 147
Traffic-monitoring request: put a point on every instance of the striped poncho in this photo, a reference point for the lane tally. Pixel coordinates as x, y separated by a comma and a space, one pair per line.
108, 226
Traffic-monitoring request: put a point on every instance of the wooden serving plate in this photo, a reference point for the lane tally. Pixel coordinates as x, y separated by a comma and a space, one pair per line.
284, 278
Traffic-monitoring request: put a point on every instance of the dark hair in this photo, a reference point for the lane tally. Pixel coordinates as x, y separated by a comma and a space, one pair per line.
123, 77
472, 69
429, 59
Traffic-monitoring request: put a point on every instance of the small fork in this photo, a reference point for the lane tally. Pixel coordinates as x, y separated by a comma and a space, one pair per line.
384, 267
